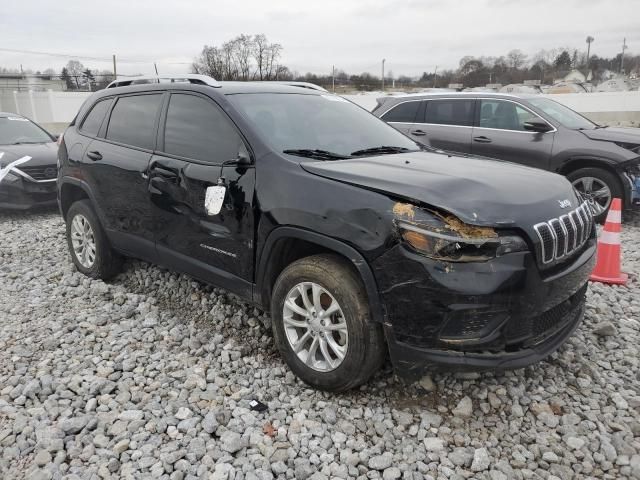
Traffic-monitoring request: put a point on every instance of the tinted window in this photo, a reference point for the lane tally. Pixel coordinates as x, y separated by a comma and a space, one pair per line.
93, 121
504, 115
404, 112
197, 129
450, 112
133, 120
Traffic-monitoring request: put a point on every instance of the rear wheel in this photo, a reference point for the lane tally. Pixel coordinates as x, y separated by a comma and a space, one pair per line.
88, 244
598, 187
322, 325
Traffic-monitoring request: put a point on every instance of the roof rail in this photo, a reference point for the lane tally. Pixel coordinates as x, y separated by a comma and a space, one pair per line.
183, 77
310, 86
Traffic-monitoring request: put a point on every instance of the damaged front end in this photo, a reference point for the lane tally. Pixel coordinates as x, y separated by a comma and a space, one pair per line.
631, 173
473, 297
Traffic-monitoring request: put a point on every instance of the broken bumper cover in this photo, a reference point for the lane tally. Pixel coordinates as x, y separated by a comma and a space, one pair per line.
20, 194
501, 314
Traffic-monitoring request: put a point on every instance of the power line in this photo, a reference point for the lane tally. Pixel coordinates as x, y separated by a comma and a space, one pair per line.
86, 57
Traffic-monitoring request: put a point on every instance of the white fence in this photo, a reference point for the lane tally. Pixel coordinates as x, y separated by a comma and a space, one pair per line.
54, 110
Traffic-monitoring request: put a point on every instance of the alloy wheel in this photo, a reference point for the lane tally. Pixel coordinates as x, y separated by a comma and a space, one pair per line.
595, 192
83, 241
315, 326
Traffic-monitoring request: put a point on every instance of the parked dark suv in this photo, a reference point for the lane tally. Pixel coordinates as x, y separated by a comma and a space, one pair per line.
601, 162
356, 238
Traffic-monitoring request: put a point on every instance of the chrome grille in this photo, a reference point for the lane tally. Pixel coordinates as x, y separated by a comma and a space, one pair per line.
562, 236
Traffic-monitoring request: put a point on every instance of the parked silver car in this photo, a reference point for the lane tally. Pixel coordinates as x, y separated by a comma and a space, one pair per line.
601, 162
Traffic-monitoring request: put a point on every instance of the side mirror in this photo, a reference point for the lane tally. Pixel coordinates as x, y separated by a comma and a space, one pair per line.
537, 126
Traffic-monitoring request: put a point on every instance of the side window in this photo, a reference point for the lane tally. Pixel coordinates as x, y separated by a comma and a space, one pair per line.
504, 115
195, 128
450, 112
133, 120
93, 121
404, 112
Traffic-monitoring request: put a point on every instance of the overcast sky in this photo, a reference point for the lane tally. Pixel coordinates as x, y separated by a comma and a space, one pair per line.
354, 35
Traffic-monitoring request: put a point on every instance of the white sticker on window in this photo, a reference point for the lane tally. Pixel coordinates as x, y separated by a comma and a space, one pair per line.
214, 199
333, 98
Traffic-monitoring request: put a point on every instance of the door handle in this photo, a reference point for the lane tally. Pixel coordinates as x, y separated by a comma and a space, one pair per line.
418, 133
482, 139
94, 155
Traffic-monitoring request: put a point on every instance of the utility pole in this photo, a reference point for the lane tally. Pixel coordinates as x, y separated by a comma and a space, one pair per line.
383, 60
115, 75
333, 78
435, 76
624, 47
156, 67
589, 40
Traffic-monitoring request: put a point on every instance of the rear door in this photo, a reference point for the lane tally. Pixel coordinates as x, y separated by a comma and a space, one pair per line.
196, 139
116, 164
402, 116
447, 123
500, 133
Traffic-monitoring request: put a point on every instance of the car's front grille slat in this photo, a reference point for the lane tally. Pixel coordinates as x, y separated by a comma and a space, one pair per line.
40, 173
564, 235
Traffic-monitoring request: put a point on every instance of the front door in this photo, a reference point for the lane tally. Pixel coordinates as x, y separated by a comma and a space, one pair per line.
196, 141
500, 133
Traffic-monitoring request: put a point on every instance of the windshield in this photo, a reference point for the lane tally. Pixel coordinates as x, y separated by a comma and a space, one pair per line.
324, 126
16, 130
562, 114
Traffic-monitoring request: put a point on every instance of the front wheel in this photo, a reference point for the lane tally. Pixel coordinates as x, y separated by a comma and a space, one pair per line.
322, 325
598, 187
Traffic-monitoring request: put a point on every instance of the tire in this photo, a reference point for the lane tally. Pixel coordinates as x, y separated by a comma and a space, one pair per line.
365, 347
599, 207
106, 263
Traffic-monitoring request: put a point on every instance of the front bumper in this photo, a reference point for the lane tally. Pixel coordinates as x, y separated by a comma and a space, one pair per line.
23, 194
500, 314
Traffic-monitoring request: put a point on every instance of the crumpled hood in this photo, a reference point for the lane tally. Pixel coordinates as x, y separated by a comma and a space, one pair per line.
478, 191
41, 154
614, 134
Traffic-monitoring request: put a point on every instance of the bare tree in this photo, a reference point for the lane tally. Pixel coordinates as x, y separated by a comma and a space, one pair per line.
75, 70
516, 59
242, 58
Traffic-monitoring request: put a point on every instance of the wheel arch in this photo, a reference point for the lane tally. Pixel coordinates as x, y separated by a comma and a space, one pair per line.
285, 245
577, 163
71, 190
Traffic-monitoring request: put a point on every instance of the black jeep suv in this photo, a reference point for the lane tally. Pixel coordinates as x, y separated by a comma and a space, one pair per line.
357, 239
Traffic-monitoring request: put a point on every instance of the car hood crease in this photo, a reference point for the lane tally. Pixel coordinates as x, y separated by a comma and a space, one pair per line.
479, 192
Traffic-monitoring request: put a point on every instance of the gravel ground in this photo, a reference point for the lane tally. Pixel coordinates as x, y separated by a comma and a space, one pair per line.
153, 374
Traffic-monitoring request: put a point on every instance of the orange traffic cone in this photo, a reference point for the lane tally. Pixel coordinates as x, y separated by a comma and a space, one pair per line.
608, 264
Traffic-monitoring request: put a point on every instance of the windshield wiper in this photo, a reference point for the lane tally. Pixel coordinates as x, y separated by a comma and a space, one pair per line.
382, 150
315, 153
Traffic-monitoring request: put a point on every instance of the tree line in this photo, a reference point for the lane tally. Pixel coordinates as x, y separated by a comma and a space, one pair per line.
254, 57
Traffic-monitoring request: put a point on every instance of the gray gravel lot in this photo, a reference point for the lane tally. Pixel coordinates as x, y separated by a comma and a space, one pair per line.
152, 375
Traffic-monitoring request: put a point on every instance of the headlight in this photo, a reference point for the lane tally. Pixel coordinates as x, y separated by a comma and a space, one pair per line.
460, 242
